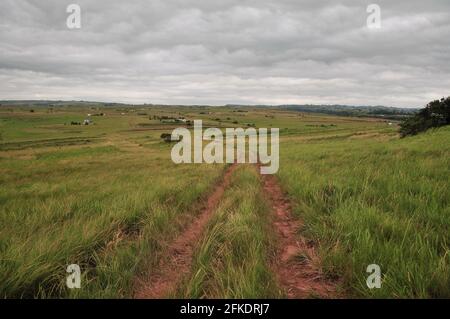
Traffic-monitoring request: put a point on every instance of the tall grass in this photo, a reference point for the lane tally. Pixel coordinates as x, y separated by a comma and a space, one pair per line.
371, 201
103, 209
107, 197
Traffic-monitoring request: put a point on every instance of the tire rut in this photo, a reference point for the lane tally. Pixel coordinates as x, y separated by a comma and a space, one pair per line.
296, 264
176, 261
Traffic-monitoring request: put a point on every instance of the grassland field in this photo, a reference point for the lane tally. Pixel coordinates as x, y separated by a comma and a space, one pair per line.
108, 197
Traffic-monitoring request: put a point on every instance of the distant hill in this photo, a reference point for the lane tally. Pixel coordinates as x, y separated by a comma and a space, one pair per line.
336, 109
345, 110
348, 110
48, 103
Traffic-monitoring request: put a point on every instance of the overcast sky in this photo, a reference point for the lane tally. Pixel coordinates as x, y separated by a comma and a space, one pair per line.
219, 51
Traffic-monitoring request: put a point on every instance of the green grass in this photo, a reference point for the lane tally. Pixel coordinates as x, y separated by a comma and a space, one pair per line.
381, 202
108, 197
78, 152
232, 260
99, 207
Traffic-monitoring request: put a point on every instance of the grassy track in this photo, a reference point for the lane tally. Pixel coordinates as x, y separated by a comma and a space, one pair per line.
232, 259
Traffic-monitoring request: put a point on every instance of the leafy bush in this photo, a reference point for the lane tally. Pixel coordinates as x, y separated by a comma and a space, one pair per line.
435, 114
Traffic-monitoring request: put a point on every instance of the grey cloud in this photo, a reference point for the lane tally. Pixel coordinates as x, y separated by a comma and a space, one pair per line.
217, 52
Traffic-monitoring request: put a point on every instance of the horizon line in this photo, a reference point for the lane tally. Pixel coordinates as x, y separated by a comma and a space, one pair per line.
208, 105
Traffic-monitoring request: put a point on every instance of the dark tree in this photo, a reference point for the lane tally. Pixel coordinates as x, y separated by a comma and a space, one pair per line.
435, 114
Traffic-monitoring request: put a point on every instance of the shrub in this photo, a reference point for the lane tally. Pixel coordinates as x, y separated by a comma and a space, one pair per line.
168, 138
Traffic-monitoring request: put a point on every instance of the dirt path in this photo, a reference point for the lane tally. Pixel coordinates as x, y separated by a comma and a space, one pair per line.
176, 260
296, 263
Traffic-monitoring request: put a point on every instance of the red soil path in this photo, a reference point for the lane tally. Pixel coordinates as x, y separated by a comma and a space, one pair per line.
296, 264
177, 259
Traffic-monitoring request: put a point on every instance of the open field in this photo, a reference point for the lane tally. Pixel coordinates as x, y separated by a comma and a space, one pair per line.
108, 197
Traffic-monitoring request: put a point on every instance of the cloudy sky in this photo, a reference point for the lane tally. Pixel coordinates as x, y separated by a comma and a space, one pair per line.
227, 51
